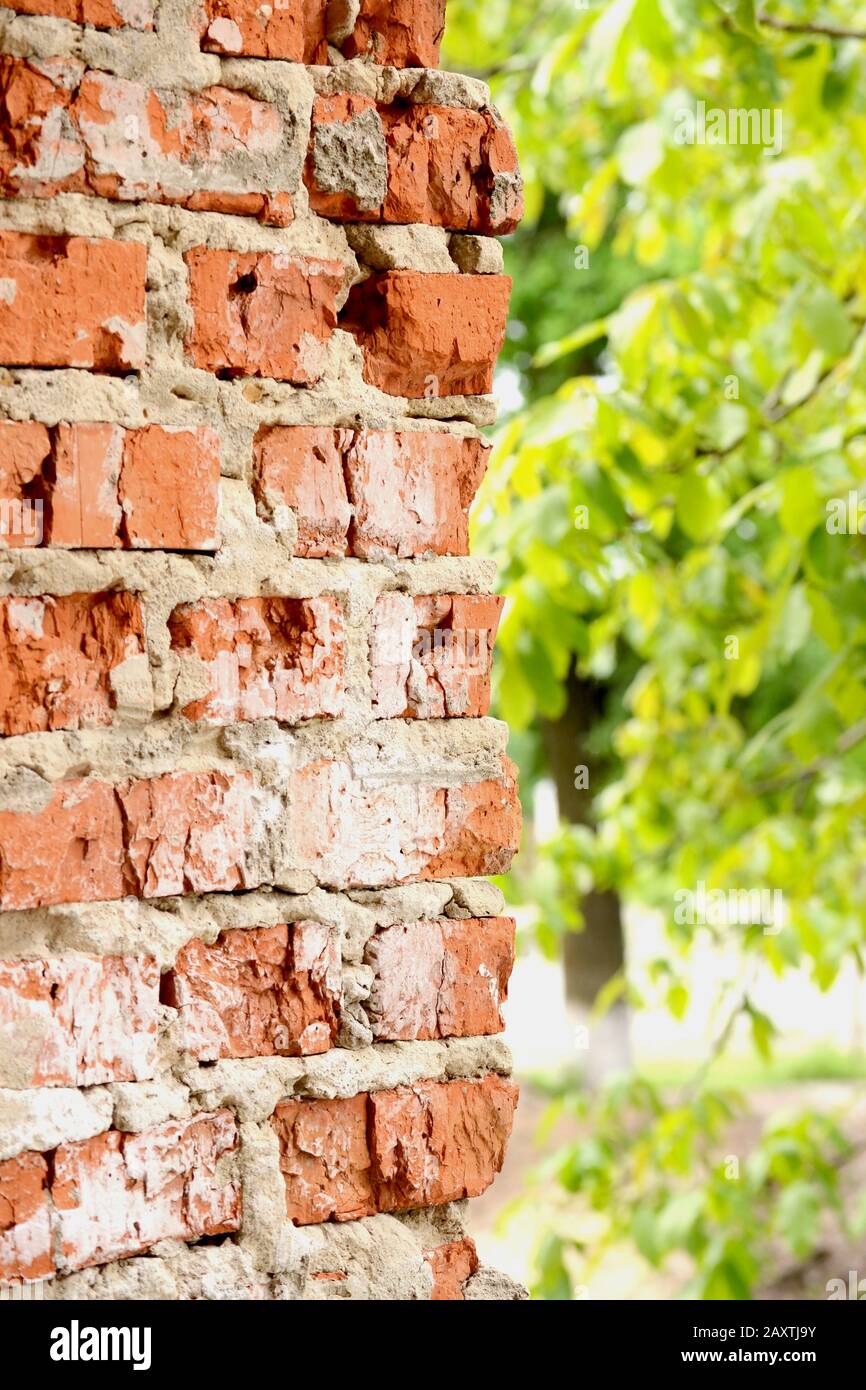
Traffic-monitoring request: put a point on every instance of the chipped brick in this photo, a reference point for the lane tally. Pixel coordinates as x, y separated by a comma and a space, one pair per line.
262, 992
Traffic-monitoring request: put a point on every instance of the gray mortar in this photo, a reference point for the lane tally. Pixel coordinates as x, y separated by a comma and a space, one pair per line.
476, 255
490, 1285
351, 157
42, 1118
403, 248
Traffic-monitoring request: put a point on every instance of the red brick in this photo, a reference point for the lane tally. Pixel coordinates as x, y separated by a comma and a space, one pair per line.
301, 467
268, 991
101, 14
72, 851
100, 486
399, 33
402, 33
71, 302
439, 1141
81, 1020
261, 313
416, 1146
294, 29
25, 1219
265, 658
440, 979
431, 656
97, 842
429, 335
370, 493
354, 833
446, 165
411, 491
118, 1194
25, 452
452, 1265
66, 129
325, 1159
57, 656
186, 832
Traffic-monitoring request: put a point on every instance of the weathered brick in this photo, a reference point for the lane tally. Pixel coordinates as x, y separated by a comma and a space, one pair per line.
183, 832
293, 30
266, 991
399, 33
101, 14
353, 833
25, 453
79, 1020
301, 467
415, 1146
71, 302
440, 1141
57, 656
186, 832
265, 658
118, 1194
100, 486
261, 313
72, 851
440, 979
25, 1219
325, 1159
411, 491
452, 1265
429, 335
370, 493
431, 656
64, 128
401, 163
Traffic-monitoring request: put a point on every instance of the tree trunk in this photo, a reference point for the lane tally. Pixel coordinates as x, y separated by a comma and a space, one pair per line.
594, 955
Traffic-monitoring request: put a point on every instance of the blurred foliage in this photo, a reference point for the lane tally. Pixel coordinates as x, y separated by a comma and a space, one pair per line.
686, 375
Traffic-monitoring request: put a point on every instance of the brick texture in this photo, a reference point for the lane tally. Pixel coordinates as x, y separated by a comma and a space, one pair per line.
440, 979
370, 493
429, 335
25, 1220
446, 166
78, 1020
261, 314
391, 1150
356, 834
71, 302
117, 1194
265, 658
431, 656
100, 486
452, 1264
401, 33
248, 292
67, 129
101, 14
268, 991
94, 841
57, 657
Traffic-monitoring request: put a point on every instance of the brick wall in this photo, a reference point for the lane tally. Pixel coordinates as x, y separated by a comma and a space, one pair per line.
251, 973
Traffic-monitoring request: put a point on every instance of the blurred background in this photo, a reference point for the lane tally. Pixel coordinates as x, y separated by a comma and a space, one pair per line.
674, 503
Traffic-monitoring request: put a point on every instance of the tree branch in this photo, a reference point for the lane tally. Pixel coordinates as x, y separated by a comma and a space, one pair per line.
791, 26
